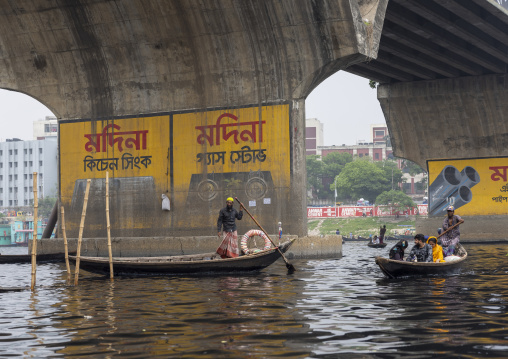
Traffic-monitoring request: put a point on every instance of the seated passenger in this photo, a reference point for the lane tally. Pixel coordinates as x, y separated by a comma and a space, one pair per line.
421, 251
437, 250
375, 240
397, 251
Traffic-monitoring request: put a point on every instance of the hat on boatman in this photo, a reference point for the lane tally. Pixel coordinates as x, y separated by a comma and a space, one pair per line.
230, 199
450, 208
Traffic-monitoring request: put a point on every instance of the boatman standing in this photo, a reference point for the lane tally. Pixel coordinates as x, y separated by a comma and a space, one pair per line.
450, 240
382, 231
227, 224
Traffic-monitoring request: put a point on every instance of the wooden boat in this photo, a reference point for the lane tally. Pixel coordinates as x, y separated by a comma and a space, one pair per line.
396, 269
377, 245
184, 264
27, 258
356, 239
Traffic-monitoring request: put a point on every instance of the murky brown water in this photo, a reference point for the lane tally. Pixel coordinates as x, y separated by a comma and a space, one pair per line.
340, 308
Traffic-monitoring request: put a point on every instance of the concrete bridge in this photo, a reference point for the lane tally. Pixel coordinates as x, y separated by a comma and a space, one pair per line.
199, 100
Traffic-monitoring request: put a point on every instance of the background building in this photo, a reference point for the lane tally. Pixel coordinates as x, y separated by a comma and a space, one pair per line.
376, 151
45, 128
313, 136
18, 161
379, 134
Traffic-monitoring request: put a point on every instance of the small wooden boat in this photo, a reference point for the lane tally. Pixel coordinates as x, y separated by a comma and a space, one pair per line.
396, 269
356, 239
27, 258
407, 237
184, 264
377, 245
391, 238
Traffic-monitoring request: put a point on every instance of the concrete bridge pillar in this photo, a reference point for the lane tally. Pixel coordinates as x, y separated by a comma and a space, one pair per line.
186, 100
458, 130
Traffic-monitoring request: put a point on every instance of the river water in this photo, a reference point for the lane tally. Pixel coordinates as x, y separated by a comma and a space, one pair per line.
329, 308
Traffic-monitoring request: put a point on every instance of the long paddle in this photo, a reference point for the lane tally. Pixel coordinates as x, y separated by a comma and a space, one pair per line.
289, 266
449, 229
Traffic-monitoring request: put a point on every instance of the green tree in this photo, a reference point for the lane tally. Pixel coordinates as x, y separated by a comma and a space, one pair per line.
361, 178
411, 168
334, 163
314, 173
397, 200
391, 172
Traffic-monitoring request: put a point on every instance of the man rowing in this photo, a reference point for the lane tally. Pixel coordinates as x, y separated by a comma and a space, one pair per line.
227, 224
382, 231
450, 240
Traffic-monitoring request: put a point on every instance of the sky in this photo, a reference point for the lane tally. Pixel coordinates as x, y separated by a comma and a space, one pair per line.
347, 106
344, 103
17, 114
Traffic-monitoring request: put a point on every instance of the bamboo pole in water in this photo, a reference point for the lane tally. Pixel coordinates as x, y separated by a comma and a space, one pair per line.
34, 240
66, 246
80, 237
109, 227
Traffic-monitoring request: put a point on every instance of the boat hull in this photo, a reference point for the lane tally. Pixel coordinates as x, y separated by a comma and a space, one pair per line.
27, 258
190, 264
378, 245
397, 269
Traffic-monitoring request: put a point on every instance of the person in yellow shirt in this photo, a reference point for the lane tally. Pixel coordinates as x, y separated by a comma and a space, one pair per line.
437, 250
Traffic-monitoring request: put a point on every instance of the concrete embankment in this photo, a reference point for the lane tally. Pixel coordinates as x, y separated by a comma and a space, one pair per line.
475, 229
304, 247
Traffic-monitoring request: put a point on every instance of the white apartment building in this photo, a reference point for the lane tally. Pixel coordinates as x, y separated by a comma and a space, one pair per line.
18, 161
313, 136
45, 128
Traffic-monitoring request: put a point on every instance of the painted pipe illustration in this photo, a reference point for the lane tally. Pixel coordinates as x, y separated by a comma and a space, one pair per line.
448, 194
469, 177
459, 198
443, 186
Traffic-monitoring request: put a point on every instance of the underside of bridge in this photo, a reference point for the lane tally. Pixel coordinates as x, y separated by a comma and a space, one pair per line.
442, 69
186, 102
189, 100
443, 87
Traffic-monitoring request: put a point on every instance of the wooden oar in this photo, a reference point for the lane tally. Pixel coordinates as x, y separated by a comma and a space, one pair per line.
289, 266
449, 229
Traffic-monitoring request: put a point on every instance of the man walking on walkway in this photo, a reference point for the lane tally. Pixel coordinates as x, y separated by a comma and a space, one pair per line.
227, 223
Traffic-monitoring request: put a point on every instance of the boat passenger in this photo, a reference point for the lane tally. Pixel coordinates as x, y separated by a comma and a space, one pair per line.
421, 251
397, 251
437, 250
450, 240
227, 222
374, 240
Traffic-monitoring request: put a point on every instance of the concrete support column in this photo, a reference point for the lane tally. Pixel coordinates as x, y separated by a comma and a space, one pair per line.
298, 201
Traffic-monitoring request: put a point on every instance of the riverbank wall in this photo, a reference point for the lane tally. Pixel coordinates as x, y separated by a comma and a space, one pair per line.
475, 229
304, 247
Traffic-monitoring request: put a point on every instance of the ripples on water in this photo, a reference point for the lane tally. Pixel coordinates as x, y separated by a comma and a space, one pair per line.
334, 308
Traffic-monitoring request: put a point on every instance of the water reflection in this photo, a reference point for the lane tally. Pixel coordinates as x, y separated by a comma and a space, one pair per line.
327, 309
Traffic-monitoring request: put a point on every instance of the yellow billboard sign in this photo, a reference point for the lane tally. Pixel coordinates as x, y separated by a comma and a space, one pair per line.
241, 152
473, 186
193, 158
